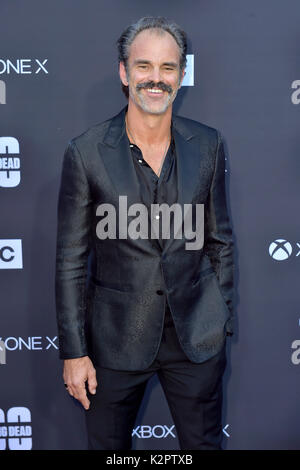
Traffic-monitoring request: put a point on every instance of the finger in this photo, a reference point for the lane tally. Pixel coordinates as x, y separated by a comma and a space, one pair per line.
80, 395
84, 401
70, 391
92, 382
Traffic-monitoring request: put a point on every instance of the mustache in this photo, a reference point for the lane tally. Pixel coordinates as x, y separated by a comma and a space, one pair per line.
160, 85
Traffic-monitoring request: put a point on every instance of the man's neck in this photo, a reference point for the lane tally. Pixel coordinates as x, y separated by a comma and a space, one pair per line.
148, 129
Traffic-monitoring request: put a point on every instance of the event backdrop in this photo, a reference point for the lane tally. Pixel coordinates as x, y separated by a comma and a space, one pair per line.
59, 76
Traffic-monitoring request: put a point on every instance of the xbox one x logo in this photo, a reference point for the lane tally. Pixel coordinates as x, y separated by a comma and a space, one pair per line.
280, 249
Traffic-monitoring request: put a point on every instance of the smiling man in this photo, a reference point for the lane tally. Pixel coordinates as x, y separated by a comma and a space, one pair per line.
148, 304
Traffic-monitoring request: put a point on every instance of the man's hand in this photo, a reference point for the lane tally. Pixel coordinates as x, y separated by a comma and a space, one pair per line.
76, 373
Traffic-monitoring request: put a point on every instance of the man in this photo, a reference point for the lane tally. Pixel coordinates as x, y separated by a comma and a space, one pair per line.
150, 305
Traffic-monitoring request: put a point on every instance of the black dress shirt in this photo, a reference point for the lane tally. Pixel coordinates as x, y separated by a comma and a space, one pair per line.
158, 189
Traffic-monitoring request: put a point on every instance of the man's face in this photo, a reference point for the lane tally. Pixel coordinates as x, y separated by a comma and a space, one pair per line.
153, 73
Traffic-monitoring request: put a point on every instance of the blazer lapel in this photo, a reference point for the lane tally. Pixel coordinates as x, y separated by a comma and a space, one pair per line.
117, 159
119, 164
187, 155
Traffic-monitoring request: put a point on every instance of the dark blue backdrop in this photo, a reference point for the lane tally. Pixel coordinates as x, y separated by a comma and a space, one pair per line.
58, 76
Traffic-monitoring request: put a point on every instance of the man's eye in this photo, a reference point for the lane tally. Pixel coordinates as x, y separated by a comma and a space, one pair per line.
142, 66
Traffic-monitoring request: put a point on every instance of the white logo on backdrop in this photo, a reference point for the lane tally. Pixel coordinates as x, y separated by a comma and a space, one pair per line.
11, 254
15, 430
2, 92
10, 175
23, 66
225, 430
280, 249
31, 343
159, 431
189, 71
2, 353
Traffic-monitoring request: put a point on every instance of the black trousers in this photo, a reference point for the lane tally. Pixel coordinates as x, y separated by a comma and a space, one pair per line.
193, 392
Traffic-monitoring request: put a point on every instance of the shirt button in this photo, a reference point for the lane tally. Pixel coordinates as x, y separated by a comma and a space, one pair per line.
157, 216
131, 145
160, 292
140, 160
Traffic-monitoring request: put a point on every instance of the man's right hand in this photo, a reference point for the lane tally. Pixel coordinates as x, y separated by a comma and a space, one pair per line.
76, 373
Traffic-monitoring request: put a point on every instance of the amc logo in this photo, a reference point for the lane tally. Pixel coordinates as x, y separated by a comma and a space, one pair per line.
11, 254
159, 431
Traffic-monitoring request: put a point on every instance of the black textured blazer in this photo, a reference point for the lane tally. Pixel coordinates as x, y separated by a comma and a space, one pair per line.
114, 311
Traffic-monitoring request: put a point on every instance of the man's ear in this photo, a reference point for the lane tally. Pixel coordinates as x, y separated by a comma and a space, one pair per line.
123, 74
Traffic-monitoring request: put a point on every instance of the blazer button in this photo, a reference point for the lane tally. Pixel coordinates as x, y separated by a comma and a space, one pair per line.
160, 292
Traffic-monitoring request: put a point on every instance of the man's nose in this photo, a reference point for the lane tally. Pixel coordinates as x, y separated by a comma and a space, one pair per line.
155, 75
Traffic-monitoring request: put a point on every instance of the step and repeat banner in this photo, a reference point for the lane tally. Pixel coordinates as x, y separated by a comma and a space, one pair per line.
59, 76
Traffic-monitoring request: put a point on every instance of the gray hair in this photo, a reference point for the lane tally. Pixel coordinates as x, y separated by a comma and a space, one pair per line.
159, 23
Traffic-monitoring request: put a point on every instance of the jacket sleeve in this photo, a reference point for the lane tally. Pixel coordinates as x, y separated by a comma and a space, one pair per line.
72, 249
218, 233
